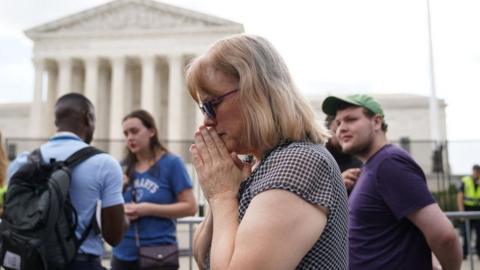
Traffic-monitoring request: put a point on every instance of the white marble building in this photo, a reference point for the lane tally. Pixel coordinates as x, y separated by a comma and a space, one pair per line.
123, 55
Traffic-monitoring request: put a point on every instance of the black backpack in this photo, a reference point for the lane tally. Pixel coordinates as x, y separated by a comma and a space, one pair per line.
37, 230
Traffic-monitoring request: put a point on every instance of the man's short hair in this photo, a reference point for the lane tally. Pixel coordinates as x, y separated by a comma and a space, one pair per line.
72, 106
476, 167
75, 98
329, 120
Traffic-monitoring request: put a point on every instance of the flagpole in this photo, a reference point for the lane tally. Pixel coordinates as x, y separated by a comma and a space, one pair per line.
434, 123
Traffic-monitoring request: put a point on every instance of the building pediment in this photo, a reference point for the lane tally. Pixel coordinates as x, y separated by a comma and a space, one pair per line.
132, 16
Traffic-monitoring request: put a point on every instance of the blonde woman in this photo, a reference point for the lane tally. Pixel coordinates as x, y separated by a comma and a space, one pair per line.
288, 208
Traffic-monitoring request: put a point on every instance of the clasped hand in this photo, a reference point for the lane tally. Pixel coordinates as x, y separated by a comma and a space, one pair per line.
350, 177
133, 210
219, 172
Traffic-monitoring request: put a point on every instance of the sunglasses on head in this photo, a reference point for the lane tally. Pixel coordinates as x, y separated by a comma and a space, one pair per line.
208, 105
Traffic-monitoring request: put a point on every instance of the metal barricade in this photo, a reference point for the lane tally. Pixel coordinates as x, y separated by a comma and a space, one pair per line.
190, 221
467, 216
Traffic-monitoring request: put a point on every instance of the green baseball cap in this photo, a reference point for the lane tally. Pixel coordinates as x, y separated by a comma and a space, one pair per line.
331, 104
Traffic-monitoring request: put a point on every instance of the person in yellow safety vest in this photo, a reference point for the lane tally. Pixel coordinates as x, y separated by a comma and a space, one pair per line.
468, 199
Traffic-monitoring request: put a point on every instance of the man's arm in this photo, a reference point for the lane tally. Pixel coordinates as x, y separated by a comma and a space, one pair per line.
440, 235
111, 218
114, 221
460, 205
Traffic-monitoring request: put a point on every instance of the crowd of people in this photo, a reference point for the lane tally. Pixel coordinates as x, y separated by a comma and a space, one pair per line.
283, 190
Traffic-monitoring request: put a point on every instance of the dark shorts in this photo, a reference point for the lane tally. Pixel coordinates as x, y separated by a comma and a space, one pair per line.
83, 262
132, 265
124, 265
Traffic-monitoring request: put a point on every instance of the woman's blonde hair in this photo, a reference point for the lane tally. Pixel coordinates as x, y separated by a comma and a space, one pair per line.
3, 163
271, 105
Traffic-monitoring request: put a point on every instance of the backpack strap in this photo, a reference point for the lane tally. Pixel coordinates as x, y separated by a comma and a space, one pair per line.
81, 155
92, 225
75, 159
35, 156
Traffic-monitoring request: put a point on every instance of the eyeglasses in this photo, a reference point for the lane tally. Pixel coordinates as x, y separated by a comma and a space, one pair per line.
208, 106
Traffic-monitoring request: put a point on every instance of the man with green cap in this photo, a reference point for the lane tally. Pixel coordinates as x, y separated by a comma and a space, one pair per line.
394, 222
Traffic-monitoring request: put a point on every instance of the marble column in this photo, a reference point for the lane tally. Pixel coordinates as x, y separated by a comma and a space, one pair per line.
176, 110
117, 104
91, 84
51, 99
65, 76
36, 119
148, 79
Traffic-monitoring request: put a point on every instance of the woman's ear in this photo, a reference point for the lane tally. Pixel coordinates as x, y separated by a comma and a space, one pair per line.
152, 132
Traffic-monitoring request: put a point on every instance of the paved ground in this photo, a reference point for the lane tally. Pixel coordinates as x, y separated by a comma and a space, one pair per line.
184, 264
466, 264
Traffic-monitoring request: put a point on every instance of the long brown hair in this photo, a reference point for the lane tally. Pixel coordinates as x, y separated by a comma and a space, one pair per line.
154, 145
3, 163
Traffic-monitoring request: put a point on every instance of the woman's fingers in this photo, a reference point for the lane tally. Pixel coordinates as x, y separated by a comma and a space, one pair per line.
222, 150
216, 170
209, 142
202, 148
196, 158
210, 146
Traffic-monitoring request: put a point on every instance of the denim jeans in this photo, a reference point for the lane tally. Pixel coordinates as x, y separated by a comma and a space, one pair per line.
474, 226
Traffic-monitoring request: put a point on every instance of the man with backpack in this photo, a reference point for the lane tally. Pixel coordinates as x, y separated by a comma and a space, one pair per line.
93, 177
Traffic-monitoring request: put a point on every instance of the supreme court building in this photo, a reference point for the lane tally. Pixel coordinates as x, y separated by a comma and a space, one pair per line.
123, 55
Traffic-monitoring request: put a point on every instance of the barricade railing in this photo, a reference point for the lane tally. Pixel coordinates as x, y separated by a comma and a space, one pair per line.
467, 217
190, 221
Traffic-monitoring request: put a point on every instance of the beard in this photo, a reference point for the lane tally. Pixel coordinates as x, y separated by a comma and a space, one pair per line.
359, 149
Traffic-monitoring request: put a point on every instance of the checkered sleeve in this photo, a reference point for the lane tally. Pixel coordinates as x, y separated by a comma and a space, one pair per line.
305, 170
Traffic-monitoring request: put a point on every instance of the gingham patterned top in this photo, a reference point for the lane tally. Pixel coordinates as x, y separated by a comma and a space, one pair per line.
309, 171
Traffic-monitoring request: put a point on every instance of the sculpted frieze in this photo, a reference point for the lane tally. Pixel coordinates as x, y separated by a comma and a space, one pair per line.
132, 17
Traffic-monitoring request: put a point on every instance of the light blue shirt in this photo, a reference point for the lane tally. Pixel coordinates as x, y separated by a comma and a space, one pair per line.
16, 164
97, 178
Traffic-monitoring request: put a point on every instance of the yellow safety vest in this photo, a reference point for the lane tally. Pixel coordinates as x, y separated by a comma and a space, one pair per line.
2, 194
471, 196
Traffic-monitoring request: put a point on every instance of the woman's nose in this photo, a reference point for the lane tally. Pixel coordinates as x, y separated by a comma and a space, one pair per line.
208, 121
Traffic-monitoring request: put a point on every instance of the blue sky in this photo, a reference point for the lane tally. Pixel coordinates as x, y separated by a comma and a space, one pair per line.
341, 46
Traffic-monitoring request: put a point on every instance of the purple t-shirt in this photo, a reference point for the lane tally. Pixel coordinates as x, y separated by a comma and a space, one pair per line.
391, 186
